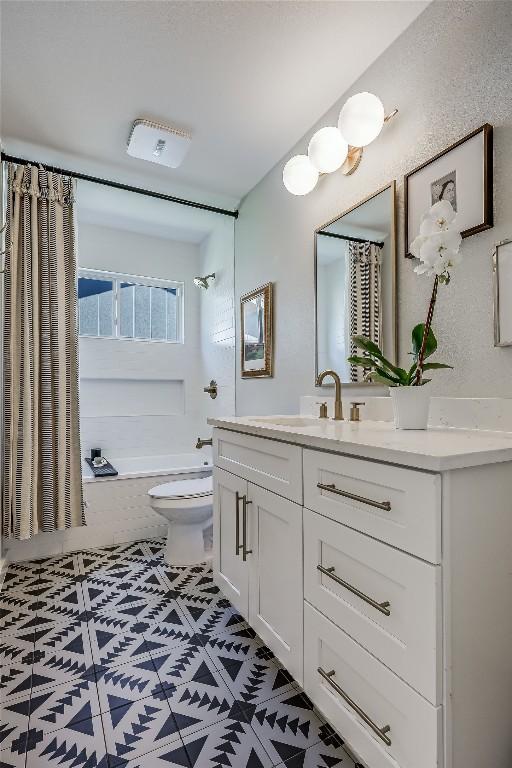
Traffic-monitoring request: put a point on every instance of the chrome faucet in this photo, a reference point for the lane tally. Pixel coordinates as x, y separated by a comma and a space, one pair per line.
201, 443
338, 406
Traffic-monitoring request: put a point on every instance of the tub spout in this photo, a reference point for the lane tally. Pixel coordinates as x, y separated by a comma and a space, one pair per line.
201, 443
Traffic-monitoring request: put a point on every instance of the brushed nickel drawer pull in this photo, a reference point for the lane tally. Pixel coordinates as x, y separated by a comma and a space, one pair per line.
245, 551
238, 546
332, 488
380, 732
382, 607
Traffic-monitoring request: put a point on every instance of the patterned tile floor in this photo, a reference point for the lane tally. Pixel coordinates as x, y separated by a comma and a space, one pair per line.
111, 658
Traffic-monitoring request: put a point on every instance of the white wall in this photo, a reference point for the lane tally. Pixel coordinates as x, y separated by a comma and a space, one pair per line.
217, 321
156, 386
449, 73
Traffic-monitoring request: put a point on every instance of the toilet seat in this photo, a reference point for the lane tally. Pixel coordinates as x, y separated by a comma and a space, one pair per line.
197, 488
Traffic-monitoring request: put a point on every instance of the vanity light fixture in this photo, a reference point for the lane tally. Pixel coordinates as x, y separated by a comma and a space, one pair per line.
361, 119
202, 282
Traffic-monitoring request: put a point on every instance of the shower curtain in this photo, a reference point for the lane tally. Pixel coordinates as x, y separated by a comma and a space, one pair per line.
364, 280
42, 482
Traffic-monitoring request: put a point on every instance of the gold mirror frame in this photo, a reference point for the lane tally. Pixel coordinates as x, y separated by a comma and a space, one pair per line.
394, 282
268, 321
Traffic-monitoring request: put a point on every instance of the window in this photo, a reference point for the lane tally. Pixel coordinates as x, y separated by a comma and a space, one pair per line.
128, 307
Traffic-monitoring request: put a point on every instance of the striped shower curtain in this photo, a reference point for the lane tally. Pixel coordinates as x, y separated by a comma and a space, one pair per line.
364, 280
42, 482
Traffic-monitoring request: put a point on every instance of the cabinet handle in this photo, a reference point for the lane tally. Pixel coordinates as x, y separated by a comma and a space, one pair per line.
382, 607
238, 546
332, 488
380, 732
245, 551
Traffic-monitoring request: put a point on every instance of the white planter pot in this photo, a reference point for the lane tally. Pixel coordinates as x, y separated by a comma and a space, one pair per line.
410, 406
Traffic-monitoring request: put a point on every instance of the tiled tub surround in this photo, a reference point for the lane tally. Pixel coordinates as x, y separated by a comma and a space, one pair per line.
110, 658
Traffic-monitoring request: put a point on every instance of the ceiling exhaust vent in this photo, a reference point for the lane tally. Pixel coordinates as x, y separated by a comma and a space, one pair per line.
158, 143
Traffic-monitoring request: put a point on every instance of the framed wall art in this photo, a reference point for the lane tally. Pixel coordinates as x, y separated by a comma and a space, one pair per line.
256, 334
461, 174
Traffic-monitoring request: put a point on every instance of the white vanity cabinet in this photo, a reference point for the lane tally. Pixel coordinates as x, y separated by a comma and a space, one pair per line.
258, 562
385, 587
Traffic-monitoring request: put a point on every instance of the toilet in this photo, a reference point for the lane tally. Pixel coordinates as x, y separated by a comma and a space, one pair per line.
187, 506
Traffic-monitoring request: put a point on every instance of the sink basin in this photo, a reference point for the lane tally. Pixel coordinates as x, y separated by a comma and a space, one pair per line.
288, 421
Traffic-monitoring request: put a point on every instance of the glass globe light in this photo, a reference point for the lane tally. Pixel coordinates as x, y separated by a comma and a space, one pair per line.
300, 175
361, 119
327, 149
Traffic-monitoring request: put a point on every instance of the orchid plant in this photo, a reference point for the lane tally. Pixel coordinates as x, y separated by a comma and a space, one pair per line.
437, 245
437, 248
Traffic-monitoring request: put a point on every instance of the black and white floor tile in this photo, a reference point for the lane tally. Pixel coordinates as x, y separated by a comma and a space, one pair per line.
110, 658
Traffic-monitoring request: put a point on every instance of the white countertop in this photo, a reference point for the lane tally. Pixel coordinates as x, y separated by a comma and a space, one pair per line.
435, 449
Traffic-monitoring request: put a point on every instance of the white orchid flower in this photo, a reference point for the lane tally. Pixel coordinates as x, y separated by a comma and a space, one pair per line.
437, 245
415, 246
439, 218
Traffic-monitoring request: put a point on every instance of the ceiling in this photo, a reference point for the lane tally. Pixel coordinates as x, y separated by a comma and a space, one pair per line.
247, 78
119, 209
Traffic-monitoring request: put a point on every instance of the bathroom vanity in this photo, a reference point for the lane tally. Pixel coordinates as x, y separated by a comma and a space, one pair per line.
377, 566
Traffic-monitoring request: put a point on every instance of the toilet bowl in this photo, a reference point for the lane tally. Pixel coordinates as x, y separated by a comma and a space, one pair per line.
187, 506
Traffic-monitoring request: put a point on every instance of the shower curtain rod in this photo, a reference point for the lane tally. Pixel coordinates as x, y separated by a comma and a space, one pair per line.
117, 185
352, 239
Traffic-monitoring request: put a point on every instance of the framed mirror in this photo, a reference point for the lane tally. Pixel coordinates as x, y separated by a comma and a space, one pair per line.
502, 273
355, 283
256, 332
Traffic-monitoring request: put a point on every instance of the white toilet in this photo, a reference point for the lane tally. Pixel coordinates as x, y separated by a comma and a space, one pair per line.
187, 506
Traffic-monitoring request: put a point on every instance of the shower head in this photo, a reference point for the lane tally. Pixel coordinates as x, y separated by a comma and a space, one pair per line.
202, 282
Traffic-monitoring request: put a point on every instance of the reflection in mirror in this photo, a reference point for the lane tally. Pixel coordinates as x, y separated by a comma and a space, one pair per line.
355, 276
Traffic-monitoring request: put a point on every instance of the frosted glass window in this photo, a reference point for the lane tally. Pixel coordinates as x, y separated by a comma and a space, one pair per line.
172, 316
142, 308
158, 318
126, 299
95, 306
122, 306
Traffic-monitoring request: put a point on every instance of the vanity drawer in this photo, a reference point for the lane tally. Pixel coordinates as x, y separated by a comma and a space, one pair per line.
268, 463
365, 576
377, 698
399, 506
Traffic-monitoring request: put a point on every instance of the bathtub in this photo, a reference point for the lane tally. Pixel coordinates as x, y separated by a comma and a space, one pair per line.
117, 508
153, 466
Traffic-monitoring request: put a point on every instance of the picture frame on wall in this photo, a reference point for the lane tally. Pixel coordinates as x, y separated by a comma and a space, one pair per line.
502, 276
461, 174
256, 332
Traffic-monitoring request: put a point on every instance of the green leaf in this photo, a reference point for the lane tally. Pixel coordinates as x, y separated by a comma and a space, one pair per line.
376, 379
417, 338
364, 362
411, 373
369, 346
368, 364
435, 366
382, 372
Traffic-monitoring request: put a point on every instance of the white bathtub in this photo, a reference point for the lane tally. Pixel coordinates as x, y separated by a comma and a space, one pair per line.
153, 466
117, 509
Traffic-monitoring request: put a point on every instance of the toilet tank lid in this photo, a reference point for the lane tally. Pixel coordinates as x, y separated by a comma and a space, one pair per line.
183, 489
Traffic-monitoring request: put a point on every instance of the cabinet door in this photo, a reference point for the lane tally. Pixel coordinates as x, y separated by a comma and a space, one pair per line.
230, 570
275, 575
